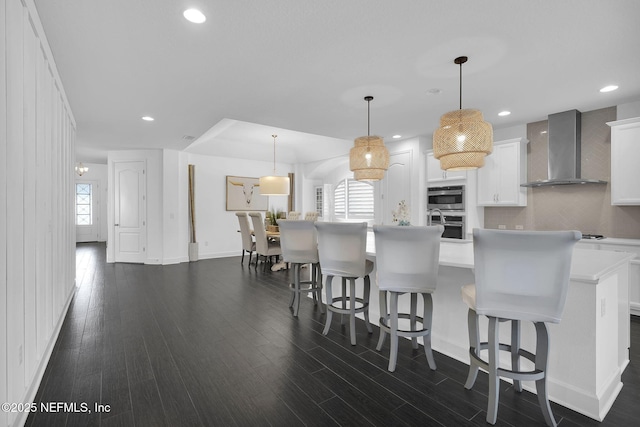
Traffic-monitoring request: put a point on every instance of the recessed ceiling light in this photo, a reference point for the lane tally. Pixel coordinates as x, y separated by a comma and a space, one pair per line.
194, 15
609, 88
504, 113
396, 136
148, 119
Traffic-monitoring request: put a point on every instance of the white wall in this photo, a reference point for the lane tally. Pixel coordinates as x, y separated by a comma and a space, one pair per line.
628, 111
175, 216
37, 232
98, 173
217, 228
167, 203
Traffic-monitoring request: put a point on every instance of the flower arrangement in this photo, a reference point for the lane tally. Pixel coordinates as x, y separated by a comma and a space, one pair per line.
402, 215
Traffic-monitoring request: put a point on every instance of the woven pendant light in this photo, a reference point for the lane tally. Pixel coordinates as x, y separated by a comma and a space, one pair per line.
273, 185
369, 158
463, 138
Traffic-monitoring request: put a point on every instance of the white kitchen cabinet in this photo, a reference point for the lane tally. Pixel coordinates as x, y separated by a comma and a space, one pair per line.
625, 152
503, 171
435, 174
631, 246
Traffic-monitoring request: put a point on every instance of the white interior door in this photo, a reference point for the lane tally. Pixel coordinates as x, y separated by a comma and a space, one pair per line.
130, 213
87, 210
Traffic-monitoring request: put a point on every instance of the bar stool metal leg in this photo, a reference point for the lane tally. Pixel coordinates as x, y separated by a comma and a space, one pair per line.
474, 348
426, 324
344, 299
365, 302
296, 289
494, 378
515, 352
542, 353
412, 319
352, 310
383, 314
329, 292
393, 325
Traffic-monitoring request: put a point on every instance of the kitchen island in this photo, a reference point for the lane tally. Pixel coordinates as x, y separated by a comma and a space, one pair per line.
589, 349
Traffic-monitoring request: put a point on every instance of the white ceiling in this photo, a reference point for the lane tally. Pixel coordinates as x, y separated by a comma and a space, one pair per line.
300, 68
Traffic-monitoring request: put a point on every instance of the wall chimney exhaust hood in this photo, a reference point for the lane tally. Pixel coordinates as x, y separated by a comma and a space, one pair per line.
564, 151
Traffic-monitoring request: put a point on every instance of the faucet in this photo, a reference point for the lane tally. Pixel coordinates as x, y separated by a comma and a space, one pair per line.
430, 213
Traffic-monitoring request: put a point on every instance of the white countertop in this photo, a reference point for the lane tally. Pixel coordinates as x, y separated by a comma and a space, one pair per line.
614, 241
587, 265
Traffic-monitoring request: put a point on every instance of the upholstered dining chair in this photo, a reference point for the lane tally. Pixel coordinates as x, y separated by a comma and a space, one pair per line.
342, 252
407, 260
293, 215
311, 216
264, 247
520, 276
299, 243
248, 245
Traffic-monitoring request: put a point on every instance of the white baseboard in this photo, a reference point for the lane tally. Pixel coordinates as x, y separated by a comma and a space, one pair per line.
219, 255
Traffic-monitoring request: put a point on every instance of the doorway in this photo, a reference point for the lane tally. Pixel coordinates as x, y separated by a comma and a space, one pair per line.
130, 237
87, 201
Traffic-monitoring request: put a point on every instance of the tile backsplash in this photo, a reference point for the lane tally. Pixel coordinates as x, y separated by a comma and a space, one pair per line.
578, 207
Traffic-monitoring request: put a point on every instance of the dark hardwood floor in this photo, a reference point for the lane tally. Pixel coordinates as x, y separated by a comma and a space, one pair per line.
214, 343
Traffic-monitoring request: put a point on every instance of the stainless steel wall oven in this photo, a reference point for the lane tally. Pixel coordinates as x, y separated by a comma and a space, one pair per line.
449, 198
454, 225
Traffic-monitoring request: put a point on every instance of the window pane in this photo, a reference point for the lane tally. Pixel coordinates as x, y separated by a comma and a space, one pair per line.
360, 197
339, 201
83, 219
319, 201
83, 204
353, 200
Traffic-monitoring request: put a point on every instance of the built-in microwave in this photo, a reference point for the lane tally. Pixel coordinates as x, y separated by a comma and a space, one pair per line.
454, 225
449, 198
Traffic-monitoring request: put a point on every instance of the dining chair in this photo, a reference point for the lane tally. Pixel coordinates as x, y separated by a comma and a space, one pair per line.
293, 215
342, 252
248, 244
311, 216
407, 260
299, 243
519, 276
264, 247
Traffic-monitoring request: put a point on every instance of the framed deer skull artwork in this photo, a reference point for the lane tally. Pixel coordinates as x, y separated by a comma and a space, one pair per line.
243, 194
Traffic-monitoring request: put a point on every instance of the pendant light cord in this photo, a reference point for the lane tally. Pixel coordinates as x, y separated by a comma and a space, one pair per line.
461, 85
368, 117
460, 60
274, 153
368, 99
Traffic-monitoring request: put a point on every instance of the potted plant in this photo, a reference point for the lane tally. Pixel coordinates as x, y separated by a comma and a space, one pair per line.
272, 219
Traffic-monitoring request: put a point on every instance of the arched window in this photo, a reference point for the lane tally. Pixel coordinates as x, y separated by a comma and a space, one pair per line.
353, 200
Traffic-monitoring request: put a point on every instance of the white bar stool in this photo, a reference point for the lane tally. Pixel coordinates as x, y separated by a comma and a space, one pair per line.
342, 251
520, 275
407, 260
299, 243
